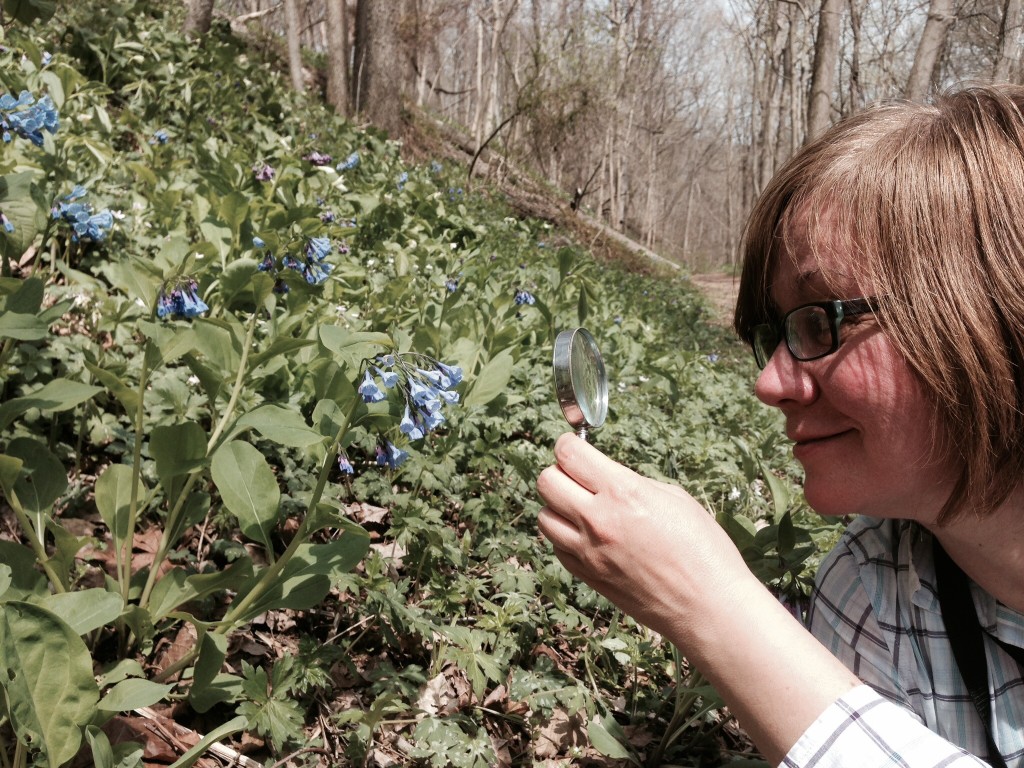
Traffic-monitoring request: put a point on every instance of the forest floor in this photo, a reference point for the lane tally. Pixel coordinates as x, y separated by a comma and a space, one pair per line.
721, 289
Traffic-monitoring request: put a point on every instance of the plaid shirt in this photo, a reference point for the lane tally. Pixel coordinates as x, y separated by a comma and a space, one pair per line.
876, 609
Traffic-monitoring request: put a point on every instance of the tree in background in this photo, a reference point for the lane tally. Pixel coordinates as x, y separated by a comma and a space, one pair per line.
380, 70
662, 118
199, 18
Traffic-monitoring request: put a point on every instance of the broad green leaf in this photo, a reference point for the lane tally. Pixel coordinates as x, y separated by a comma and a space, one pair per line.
224, 688
55, 395
242, 282
20, 206
282, 426
307, 578
28, 298
10, 469
177, 588
491, 381
234, 207
600, 732
85, 610
42, 479
177, 450
5, 579
280, 346
113, 500
166, 343
249, 489
14, 325
218, 346
353, 346
132, 694
99, 744
213, 649
51, 693
127, 396
26, 580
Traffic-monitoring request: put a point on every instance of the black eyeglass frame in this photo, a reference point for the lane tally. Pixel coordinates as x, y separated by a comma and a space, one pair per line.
765, 337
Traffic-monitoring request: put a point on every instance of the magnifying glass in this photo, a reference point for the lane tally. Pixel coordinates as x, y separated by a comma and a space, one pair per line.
581, 384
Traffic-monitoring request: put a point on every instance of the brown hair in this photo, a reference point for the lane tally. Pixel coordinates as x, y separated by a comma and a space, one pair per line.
931, 200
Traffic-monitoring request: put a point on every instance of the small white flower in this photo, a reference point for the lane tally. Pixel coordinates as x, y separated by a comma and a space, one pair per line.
192, 381
371, 262
734, 494
644, 379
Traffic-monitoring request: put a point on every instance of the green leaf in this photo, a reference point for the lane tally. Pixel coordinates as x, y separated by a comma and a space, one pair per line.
133, 693
249, 489
236, 725
177, 449
213, 649
177, 588
85, 610
55, 395
352, 347
307, 578
491, 381
27, 298
600, 732
47, 677
282, 426
26, 580
113, 500
14, 325
127, 396
166, 344
20, 207
42, 479
5, 579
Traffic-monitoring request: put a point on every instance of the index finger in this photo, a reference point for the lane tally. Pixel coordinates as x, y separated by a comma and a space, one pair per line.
587, 465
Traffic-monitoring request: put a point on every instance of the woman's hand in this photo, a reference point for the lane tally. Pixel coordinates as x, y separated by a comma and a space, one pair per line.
652, 550
647, 546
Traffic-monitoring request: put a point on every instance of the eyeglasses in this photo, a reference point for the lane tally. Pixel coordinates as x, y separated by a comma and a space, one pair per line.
811, 331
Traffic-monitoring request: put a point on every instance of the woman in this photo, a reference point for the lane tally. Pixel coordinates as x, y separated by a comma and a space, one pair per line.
883, 294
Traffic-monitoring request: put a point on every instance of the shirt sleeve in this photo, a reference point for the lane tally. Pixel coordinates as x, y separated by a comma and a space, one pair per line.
863, 729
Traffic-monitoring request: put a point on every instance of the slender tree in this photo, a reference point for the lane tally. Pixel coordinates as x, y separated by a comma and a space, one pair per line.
291, 12
337, 56
199, 18
941, 16
823, 76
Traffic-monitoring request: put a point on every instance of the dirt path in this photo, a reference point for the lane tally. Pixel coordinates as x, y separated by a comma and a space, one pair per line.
721, 291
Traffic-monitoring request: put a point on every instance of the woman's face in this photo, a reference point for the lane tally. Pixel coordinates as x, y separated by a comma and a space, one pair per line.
861, 424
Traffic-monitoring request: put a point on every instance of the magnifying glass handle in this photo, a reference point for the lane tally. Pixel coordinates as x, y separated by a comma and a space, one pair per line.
581, 433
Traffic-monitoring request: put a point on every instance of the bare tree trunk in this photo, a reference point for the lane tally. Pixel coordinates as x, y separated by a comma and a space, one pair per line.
337, 56
199, 18
381, 63
1009, 34
291, 12
940, 18
826, 51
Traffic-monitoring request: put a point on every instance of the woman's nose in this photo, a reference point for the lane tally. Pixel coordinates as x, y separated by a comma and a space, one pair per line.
785, 380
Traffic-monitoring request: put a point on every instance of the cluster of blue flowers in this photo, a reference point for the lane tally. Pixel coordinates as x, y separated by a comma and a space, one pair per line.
451, 284
350, 162
27, 117
425, 384
313, 266
160, 137
403, 177
6, 223
263, 172
181, 300
85, 224
523, 297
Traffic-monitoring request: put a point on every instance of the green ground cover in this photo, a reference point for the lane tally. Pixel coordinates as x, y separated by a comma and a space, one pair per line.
273, 405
